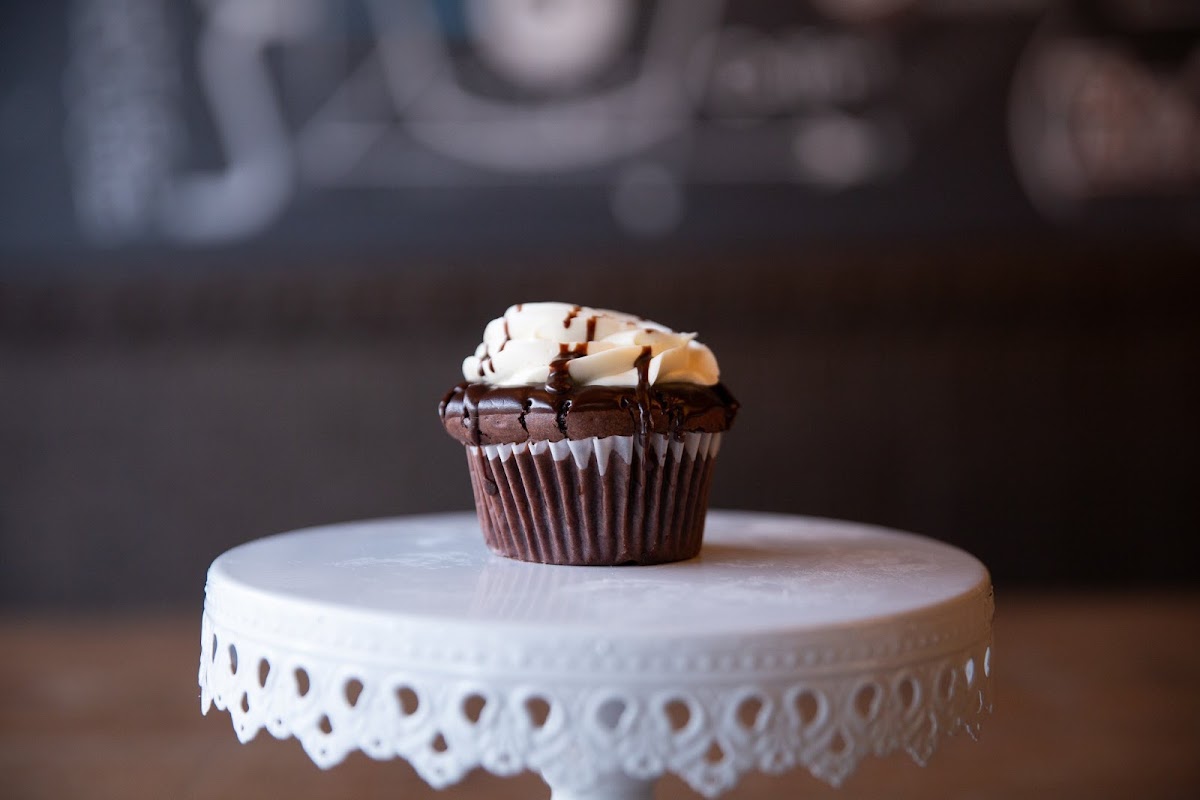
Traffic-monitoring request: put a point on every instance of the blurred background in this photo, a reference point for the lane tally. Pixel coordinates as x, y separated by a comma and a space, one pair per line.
947, 251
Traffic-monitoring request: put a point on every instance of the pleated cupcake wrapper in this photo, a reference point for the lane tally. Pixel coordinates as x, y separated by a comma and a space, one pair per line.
597, 501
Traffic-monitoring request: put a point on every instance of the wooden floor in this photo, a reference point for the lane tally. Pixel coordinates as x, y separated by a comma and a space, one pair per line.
1097, 696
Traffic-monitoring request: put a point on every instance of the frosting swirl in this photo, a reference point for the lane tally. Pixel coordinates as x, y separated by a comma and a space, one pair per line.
559, 344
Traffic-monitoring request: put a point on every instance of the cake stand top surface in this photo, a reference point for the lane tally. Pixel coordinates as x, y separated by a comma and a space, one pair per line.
757, 572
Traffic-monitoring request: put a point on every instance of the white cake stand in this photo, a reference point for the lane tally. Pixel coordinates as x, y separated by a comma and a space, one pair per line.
788, 642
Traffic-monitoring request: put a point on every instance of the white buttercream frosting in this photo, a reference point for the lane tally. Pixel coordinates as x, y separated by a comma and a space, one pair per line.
519, 347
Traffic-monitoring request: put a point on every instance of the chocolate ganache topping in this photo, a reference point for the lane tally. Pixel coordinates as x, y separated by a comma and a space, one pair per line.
549, 371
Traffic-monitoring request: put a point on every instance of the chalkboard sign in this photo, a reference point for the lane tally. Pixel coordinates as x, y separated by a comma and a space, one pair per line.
464, 125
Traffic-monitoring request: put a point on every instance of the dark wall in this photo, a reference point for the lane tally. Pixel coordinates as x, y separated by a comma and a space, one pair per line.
1036, 405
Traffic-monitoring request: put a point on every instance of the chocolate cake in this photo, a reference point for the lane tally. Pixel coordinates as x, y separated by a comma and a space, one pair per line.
591, 436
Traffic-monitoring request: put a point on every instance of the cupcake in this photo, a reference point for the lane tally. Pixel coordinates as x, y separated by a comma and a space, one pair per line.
590, 435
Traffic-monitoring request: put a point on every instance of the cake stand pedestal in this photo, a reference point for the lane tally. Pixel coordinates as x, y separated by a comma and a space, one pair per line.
789, 642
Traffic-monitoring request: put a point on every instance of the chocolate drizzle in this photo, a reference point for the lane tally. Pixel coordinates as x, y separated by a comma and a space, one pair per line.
642, 390
643, 422
524, 410
560, 417
559, 379
572, 314
466, 396
591, 328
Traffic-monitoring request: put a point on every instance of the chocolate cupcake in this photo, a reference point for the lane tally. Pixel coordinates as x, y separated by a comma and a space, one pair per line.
591, 435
